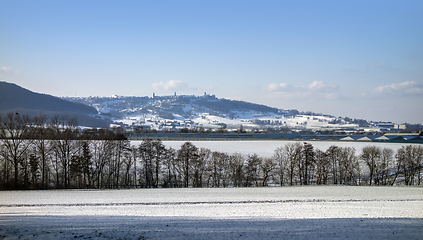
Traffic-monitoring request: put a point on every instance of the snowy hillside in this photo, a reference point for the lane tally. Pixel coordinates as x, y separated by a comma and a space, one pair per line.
208, 112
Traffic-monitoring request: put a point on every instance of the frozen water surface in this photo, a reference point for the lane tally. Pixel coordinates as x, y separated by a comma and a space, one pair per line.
313, 212
267, 148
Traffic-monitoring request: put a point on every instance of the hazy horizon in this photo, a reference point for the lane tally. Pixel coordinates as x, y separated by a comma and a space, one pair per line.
361, 59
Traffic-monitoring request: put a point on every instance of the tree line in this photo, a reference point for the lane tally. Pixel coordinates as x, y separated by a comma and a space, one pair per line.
45, 153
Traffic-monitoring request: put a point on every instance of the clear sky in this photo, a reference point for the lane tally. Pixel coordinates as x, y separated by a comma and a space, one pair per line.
361, 59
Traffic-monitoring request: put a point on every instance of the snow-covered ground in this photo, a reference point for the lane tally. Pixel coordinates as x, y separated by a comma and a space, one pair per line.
231, 213
247, 120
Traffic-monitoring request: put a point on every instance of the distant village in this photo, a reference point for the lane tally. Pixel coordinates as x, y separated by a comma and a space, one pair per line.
176, 117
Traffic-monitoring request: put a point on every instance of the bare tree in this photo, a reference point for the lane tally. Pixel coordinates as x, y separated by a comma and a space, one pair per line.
333, 155
419, 162
186, 155
307, 163
199, 166
280, 156
268, 167
129, 163
371, 156
41, 134
64, 132
385, 164
101, 153
322, 167
292, 157
159, 155
347, 165
236, 166
146, 151
409, 163
170, 169
216, 168
14, 133
252, 170
6, 168
121, 147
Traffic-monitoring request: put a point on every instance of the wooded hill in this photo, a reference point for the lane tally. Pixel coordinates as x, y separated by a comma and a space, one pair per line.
14, 98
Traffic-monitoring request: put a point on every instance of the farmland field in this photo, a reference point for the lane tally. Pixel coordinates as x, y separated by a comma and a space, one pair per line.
232, 213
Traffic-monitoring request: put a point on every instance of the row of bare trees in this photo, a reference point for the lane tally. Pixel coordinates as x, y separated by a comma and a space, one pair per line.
301, 164
42, 153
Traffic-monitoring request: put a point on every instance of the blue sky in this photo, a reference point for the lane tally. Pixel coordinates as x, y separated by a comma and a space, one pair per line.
361, 59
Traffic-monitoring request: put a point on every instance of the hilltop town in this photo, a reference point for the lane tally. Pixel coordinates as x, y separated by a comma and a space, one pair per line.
207, 113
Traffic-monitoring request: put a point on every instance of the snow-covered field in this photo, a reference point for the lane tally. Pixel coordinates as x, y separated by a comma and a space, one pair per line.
246, 119
231, 213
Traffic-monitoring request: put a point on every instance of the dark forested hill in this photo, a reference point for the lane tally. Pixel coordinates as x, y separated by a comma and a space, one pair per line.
13, 96
16, 98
